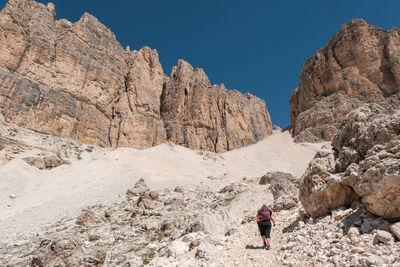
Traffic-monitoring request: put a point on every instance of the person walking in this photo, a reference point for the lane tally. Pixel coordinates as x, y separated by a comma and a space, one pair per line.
264, 217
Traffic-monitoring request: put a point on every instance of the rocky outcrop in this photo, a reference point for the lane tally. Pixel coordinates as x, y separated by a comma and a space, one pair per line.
364, 163
67, 251
360, 64
321, 190
337, 240
284, 188
46, 162
75, 80
201, 116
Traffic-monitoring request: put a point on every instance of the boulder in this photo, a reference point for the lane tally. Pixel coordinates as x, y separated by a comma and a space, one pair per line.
384, 237
177, 248
87, 218
178, 189
140, 188
46, 162
277, 175
363, 164
395, 229
353, 232
213, 222
100, 233
174, 203
321, 191
67, 251
234, 188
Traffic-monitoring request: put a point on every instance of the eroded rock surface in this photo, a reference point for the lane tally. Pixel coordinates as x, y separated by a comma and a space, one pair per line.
364, 163
360, 64
201, 116
284, 188
67, 251
75, 80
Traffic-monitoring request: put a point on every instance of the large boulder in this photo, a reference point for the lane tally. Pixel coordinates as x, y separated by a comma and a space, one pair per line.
284, 189
46, 162
140, 188
364, 163
321, 190
67, 251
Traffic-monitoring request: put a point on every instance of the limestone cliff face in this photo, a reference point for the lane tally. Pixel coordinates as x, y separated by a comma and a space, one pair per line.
201, 116
75, 80
360, 64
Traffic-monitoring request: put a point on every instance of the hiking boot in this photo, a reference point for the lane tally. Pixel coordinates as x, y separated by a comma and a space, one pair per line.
267, 247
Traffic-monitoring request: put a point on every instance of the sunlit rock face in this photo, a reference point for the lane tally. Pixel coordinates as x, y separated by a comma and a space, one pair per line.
75, 80
360, 64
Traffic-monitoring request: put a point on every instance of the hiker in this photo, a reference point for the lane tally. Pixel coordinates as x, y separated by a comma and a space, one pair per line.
264, 218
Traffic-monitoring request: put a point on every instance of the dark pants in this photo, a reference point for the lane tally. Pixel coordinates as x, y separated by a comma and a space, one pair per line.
265, 228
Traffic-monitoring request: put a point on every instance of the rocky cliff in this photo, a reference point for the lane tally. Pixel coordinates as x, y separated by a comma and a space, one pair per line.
364, 164
75, 80
360, 64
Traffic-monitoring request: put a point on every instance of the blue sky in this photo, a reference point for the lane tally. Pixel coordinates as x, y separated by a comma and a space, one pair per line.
256, 46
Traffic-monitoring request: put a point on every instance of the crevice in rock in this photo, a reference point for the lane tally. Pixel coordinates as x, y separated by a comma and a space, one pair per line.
22, 57
389, 69
110, 126
126, 90
119, 128
214, 142
185, 106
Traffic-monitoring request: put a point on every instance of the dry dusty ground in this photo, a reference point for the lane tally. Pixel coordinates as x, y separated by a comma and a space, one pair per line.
31, 199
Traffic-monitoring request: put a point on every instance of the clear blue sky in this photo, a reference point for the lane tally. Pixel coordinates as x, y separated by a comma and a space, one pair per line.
256, 46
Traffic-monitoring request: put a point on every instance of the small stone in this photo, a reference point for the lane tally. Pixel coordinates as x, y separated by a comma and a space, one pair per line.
174, 203
289, 246
154, 195
355, 260
87, 218
353, 232
340, 214
194, 244
395, 229
231, 232
139, 188
107, 214
355, 240
384, 237
12, 196
200, 254
177, 248
178, 189
374, 260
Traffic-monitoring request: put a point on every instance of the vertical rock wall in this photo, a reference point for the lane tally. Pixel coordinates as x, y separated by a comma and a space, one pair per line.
360, 64
75, 80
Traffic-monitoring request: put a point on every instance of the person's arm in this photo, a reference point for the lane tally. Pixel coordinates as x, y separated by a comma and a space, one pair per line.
272, 219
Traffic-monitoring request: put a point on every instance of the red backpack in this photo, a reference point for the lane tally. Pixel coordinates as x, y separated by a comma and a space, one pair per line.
263, 216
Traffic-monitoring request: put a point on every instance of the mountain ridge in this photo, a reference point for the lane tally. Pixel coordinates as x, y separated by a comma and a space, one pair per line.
113, 96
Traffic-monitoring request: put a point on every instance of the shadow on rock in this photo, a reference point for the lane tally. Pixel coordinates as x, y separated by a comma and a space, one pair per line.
291, 227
